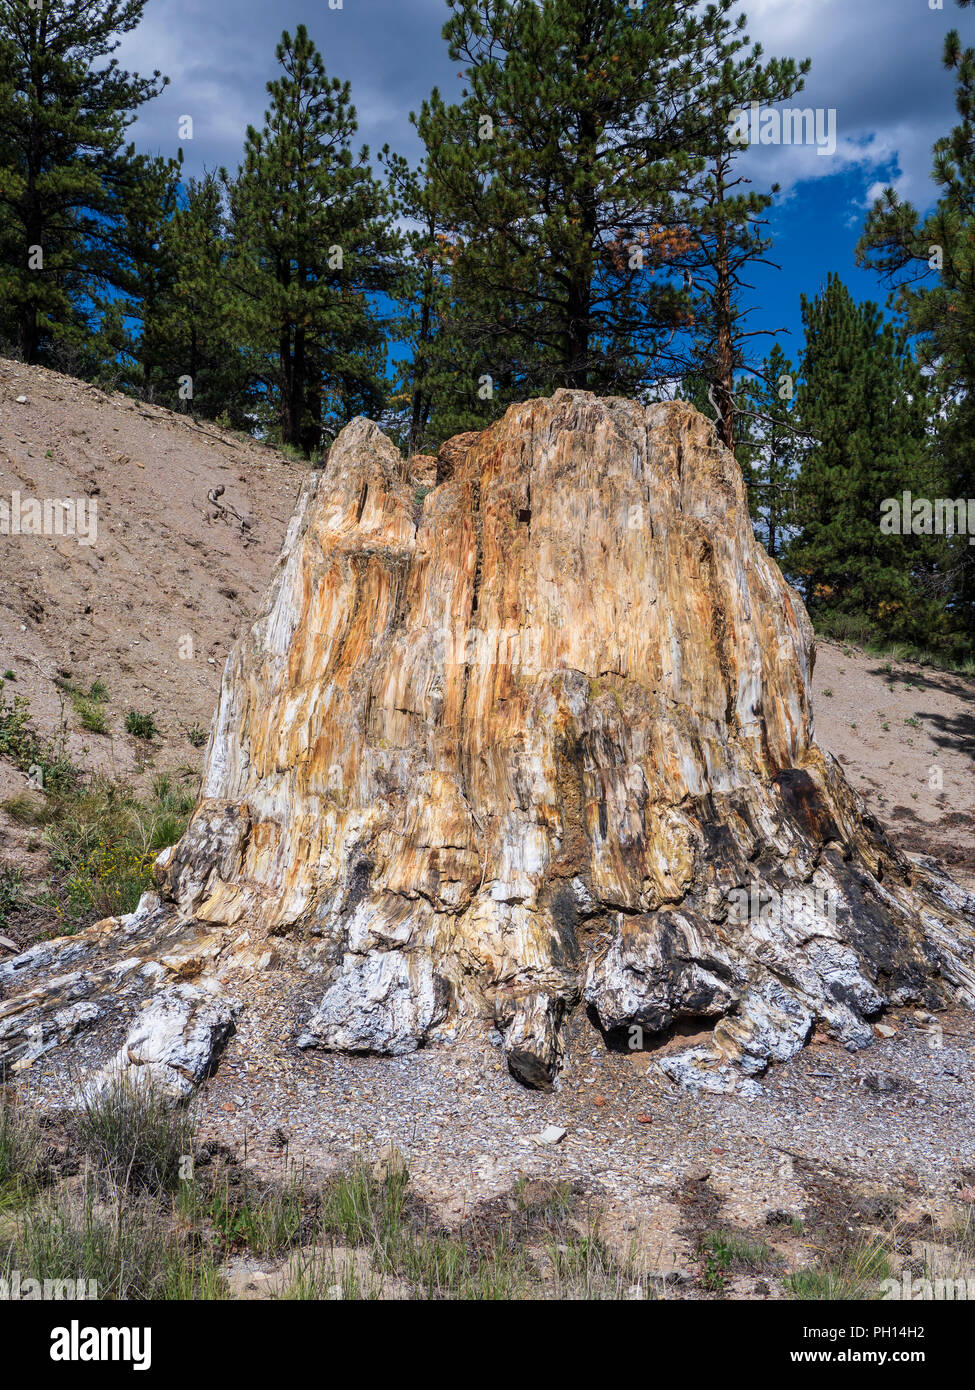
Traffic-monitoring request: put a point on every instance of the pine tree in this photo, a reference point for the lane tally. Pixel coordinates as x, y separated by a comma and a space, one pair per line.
312, 241
930, 262
727, 218
186, 350
65, 105
769, 448
562, 175
133, 357
437, 386
861, 401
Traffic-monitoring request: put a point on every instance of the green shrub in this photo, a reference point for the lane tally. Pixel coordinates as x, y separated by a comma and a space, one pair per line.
92, 717
266, 1219
32, 754
12, 896
103, 844
140, 725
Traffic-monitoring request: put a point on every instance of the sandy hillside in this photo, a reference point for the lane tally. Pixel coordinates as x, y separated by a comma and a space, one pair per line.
164, 578
166, 575
905, 735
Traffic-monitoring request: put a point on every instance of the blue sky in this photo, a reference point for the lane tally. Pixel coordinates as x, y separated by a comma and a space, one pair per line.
876, 62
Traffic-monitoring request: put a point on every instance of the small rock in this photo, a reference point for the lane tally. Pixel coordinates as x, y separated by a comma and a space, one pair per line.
778, 1216
671, 1276
551, 1134
876, 1208
881, 1083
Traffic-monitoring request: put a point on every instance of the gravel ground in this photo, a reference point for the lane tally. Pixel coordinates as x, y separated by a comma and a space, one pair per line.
897, 1118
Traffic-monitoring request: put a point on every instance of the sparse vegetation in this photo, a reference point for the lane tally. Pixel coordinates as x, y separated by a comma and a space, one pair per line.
133, 1136
855, 1273
725, 1251
127, 1247
11, 891
25, 809
144, 1223
43, 760
859, 631
140, 725
103, 843
266, 1219
87, 704
102, 838
19, 1150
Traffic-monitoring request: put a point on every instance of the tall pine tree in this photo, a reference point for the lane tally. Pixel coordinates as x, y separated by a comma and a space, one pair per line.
769, 448
133, 356
563, 173
65, 105
930, 261
861, 400
437, 387
727, 218
313, 246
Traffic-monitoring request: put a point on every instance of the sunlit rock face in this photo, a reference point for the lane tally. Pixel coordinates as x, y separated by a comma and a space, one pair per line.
540, 739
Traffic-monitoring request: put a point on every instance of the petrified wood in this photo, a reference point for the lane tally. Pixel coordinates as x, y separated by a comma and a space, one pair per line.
537, 740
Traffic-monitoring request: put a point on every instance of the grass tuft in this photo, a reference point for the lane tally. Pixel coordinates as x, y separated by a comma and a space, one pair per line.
136, 1137
854, 1274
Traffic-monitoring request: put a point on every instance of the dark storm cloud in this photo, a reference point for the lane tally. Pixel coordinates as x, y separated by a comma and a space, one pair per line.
220, 55
878, 62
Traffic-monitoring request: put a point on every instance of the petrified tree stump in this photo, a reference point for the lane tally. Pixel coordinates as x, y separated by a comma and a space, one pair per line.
538, 740
530, 740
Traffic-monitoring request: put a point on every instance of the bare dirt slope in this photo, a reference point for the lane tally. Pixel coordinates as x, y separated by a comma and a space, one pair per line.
905, 735
164, 578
